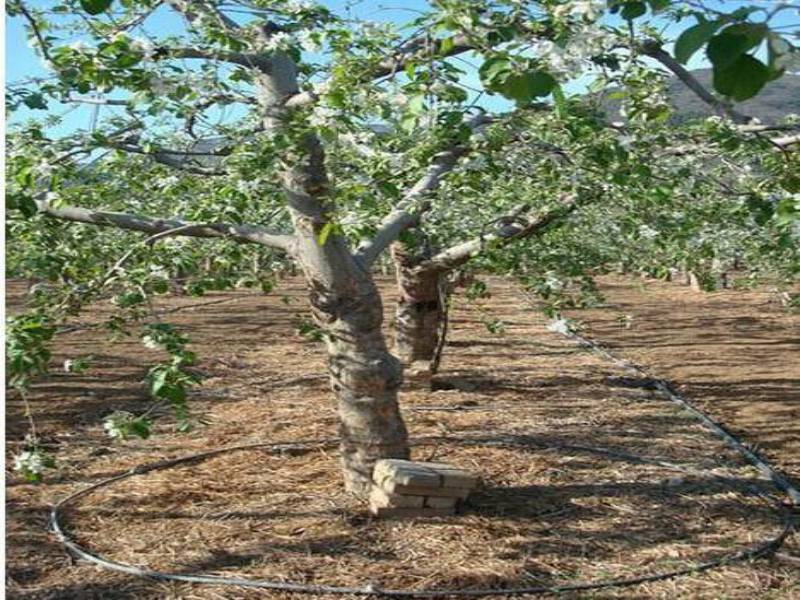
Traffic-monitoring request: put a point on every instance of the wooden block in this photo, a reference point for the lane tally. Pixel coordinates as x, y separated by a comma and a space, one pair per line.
406, 472
439, 502
381, 499
455, 477
392, 487
411, 512
413, 474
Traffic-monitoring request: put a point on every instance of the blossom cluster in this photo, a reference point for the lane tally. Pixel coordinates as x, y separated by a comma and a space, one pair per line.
589, 10
564, 60
30, 462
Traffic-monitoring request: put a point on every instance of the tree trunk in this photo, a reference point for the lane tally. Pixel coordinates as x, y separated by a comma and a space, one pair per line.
419, 314
365, 378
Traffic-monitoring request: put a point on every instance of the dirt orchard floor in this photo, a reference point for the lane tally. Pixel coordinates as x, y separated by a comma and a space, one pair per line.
523, 407
735, 354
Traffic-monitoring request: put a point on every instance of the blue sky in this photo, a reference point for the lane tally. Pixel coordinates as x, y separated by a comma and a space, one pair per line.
22, 62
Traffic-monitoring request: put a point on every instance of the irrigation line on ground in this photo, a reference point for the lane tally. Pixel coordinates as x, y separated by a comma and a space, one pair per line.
666, 388
768, 546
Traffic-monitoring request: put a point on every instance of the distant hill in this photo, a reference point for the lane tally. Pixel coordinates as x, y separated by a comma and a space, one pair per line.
778, 99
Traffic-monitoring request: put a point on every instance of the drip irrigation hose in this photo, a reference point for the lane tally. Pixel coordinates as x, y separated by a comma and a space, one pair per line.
763, 548
768, 546
666, 388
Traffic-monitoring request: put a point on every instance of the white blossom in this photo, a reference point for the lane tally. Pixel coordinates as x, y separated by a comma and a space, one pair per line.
169, 181
322, 116
150, 342
159, 271
298, 6
247, 186
559, 326
359, 143
29, 462
160, 85
569, 58
79, 46
114, 424
400, 99
586, 9
310, 40
44, 170
145, 46
279, 41
648, 232
477, 163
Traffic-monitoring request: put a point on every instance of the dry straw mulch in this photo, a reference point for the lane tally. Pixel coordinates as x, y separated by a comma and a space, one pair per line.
514, 406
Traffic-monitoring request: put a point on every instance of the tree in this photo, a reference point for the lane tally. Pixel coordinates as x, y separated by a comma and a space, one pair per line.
345, 138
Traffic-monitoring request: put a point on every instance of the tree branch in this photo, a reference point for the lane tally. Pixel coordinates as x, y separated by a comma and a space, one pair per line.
187, 9
785, 141
244, 59
516, 228
175, 158
405, 215
419, 49
156, 227
653, 49
35, 28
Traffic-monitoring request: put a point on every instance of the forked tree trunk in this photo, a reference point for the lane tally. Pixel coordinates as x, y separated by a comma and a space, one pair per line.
419, 314
364, 375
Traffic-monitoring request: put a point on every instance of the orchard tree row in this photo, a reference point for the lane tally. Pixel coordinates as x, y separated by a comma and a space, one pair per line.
265, 133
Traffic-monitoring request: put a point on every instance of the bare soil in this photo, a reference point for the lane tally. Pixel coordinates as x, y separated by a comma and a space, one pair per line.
530, 411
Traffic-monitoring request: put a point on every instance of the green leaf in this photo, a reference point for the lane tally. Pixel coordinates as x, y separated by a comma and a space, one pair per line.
323, 234
416, 104
659, 5
494, 70
560, 102
633, 10
35, 101
175, 393
158, 382
525, 87
691, 40
24, 204
733, 41
446, 46
741, 79
140, 427
95, 7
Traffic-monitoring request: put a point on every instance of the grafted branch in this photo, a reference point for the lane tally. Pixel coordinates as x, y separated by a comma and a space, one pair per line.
517, 228
153, 226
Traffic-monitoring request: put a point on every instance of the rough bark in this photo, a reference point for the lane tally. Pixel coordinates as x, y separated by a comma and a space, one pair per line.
419, 314
365, 376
